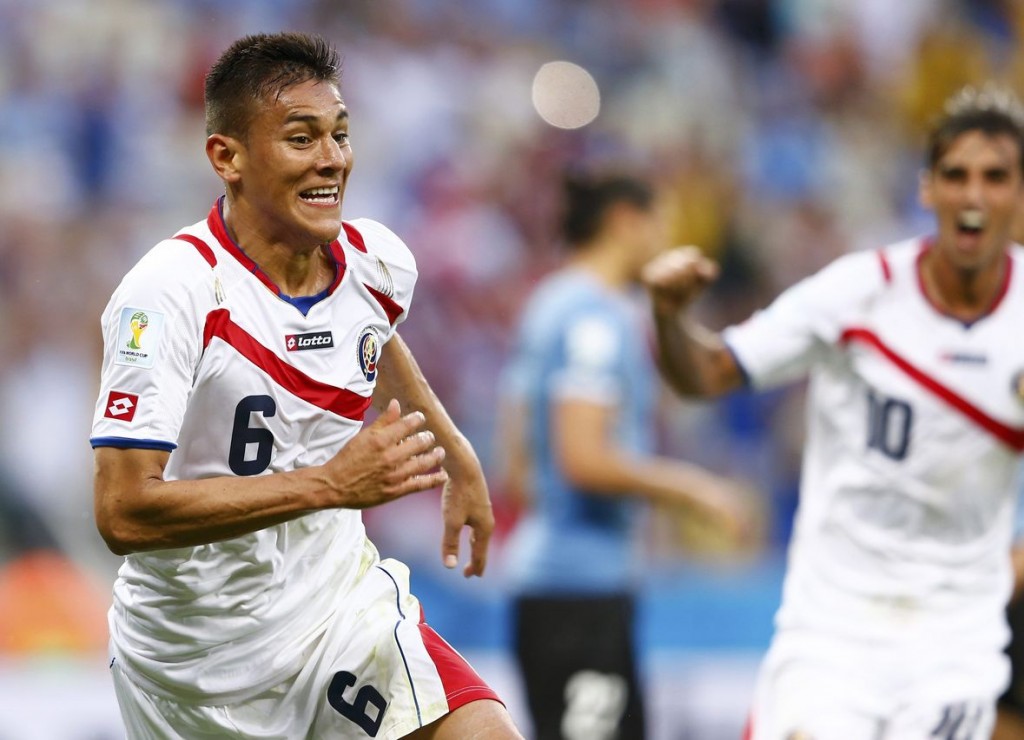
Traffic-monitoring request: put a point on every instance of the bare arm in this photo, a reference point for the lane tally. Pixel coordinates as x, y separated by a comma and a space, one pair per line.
137, 510
693, 359
1017, 556
592, 461
514, 472
466, 501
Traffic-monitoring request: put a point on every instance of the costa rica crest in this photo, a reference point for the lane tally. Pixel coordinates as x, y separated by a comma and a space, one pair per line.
368, 352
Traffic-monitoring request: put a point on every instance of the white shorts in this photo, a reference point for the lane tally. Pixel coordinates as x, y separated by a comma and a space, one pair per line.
818, 689
379, 671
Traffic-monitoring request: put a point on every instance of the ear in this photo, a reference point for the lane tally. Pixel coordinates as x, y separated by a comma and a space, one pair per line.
224, 153
925, 183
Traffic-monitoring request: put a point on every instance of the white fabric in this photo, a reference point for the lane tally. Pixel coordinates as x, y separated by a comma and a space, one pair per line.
902, 536
225, 621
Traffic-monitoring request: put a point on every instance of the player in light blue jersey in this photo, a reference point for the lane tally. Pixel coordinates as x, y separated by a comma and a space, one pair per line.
579, 440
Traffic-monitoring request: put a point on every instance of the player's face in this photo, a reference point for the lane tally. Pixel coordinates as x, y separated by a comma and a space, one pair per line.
975, 190
295, 163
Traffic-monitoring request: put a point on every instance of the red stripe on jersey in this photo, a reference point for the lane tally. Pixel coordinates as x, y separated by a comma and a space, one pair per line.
886, 270
748, 728
1014, 438
338, 254
392, 309
339, 401
216, 223
461, 683
354, 237
201, 246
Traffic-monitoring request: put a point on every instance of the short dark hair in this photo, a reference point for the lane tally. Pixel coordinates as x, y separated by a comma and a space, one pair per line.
991, 109
589, 197
260, 66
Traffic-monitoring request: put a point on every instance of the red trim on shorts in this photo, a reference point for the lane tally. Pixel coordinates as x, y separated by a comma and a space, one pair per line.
461, 683
1013, 438
340, 401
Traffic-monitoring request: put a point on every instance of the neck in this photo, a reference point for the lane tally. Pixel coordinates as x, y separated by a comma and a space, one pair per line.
965, 294
295, 271
605, 264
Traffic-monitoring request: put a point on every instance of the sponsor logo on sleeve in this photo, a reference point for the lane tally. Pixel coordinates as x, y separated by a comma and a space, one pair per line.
121, 406
138, 337
312, 340
368, 352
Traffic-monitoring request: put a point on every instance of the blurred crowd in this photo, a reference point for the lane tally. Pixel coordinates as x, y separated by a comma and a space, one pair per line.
782, 132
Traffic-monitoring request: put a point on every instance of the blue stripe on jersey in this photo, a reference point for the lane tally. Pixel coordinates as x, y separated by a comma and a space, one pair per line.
127, 443
401, 614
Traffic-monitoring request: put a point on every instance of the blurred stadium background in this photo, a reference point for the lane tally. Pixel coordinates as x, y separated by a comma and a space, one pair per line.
785, 132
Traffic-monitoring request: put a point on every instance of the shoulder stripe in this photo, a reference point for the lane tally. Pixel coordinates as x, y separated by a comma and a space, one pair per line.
202, 247
340, 401
390, 306
1013, 438
354, 237
886, 270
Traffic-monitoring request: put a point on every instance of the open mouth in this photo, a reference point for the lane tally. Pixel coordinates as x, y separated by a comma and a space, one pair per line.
321, 196
971, 222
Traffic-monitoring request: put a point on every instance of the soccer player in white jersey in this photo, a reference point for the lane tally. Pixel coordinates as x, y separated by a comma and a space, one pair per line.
892, 621
231, 459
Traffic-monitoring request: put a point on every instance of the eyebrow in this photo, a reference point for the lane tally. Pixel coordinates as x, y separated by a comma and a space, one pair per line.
311, 118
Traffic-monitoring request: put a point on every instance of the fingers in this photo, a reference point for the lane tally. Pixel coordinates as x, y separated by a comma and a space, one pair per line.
479, 540
396, 428
679, 271
418, 464
450, 544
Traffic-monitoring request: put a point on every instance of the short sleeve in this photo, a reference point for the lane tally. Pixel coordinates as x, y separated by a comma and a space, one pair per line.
780, 343
593, 349
390, 271
152, 341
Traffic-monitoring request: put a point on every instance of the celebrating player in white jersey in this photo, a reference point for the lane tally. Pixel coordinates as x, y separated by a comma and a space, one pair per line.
231, 461
892, 621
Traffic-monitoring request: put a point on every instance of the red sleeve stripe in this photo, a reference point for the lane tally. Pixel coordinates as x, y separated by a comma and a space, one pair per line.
886, 270
391, 308
1013, 438
201, 246
354, 237
338, 401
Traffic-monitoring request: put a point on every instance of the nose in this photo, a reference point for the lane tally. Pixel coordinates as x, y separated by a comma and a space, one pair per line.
333, 156
974, 190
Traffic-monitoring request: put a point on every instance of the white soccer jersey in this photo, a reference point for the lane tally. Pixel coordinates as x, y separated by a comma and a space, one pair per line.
204, 357
915, 427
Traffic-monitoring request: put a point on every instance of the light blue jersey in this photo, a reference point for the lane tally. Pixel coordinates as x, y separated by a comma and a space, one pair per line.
578, 339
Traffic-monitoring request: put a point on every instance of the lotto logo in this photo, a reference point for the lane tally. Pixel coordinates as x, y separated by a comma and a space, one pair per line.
121, 406
313, 340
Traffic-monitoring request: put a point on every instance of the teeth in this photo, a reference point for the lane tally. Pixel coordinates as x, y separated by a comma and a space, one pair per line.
320, 192
972, 219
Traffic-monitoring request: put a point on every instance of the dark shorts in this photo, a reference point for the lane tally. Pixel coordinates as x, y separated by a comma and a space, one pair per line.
1013, 699
578, 664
